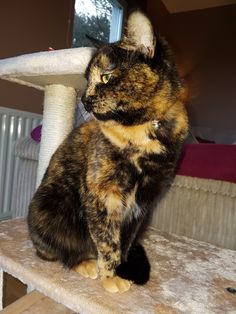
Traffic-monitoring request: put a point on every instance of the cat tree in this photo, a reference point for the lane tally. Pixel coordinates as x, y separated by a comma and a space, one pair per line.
187, 276
60, 74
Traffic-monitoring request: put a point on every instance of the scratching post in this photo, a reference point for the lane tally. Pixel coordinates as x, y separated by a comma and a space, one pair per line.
58, 119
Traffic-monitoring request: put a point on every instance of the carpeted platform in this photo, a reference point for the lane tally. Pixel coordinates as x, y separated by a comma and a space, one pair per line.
187, 276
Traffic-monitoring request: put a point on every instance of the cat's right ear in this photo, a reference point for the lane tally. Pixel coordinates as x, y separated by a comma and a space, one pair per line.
96, 42
139, 34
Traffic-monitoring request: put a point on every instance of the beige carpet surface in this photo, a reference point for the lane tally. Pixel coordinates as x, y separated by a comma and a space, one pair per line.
187, 276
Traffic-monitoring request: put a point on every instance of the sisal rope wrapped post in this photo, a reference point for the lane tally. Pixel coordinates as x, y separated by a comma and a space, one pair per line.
58, 121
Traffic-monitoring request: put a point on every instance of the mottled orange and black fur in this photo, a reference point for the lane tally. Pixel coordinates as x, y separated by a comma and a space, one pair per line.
98, 190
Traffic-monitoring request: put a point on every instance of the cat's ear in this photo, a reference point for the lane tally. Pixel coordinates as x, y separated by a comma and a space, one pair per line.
139, 34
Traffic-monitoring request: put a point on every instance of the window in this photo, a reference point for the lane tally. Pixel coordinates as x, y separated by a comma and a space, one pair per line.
100, 19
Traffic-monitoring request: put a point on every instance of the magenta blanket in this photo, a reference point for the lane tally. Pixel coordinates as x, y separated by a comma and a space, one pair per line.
210, 161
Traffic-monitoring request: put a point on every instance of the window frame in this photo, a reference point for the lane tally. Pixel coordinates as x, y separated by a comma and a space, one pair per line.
119, 8
117, 19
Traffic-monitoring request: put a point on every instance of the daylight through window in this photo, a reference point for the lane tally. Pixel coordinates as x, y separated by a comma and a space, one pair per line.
100, 19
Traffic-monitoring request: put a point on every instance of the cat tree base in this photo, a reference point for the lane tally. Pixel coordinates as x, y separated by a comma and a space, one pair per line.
187, 276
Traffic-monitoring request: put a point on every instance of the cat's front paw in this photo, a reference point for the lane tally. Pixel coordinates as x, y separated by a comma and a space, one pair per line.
87, 269
116, 284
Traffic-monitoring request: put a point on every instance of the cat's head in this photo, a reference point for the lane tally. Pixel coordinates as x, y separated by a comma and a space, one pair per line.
130, 81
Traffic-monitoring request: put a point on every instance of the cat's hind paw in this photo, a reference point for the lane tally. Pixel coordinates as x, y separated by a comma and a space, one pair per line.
116, 284
87, 269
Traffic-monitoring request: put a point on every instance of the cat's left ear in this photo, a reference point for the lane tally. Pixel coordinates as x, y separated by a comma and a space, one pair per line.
139, 34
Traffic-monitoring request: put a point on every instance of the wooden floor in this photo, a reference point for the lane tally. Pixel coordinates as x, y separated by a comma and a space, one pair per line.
13, 289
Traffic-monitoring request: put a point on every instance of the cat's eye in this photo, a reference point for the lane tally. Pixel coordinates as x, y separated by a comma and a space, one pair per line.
105, 77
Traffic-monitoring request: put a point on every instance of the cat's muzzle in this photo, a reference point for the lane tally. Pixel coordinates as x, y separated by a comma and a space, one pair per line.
87, 102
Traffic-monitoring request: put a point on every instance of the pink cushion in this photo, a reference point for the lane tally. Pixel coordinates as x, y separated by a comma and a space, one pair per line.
36, 133
210, 161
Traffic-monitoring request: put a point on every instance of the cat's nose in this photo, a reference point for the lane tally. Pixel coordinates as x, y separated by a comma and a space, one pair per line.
88, 103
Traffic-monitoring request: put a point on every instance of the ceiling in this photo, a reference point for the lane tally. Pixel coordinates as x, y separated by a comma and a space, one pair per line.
175, 6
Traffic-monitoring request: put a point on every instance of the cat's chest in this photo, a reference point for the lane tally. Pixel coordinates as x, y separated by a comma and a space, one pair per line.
143, 156
134, 141
134, 144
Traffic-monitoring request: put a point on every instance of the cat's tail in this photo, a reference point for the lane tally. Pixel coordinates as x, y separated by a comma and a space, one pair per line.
137, 267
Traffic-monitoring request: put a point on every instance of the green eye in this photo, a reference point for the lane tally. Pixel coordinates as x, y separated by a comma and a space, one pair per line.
105, 78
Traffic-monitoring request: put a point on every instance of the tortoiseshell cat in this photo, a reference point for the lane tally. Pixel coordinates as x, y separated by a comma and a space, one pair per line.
96, 195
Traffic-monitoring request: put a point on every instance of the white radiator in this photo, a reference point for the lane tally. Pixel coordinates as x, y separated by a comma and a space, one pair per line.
14, 124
